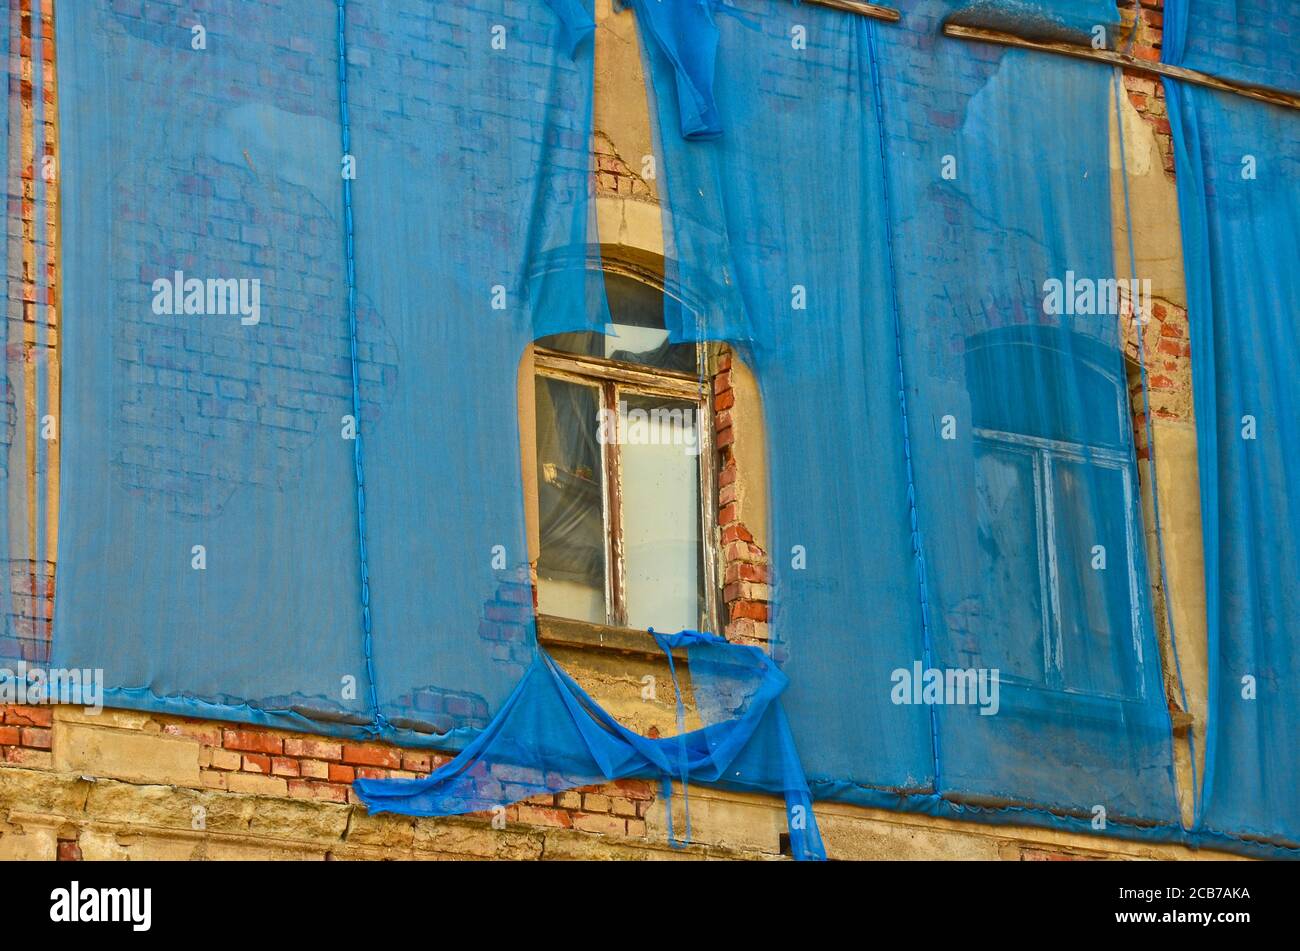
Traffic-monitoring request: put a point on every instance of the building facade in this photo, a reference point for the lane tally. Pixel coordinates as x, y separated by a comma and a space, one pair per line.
127, 784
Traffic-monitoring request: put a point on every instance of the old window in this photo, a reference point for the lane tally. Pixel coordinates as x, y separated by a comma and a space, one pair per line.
624, 470
1059, 486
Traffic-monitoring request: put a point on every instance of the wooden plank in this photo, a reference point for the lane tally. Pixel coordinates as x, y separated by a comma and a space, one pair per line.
873, 10
1125, 61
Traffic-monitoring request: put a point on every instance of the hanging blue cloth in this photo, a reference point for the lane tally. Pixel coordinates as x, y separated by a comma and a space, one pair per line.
550, 735
1238, 178
685, 32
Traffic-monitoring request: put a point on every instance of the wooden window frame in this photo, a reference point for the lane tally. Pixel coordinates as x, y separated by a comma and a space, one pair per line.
614, 378
1045, 455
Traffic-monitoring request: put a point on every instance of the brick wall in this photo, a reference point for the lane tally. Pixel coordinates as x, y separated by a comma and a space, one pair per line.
1165, 335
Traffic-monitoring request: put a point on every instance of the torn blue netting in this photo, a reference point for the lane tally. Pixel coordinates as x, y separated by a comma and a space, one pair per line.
1238, 177
551, 736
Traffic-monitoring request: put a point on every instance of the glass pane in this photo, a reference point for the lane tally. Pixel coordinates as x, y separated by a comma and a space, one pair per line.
636, 332
660, 452
570, 502
1005, 620
1094, 565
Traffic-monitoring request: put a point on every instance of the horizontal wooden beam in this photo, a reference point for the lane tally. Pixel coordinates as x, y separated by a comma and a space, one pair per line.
873, 10
1127, 62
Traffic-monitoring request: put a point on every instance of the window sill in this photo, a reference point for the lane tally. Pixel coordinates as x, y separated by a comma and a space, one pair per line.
553, 632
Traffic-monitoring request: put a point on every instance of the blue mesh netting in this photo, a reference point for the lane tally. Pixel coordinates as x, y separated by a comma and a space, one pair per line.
988, 518
1238, 174
235, 433
301, 504
1250, 41
304, 508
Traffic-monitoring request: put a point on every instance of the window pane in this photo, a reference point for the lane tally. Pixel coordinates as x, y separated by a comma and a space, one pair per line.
1005, 620
570, 502
1096, 599
635, 333
660, 451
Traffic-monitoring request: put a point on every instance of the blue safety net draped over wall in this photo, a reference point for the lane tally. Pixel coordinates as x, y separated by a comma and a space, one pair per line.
249, 494
1238, 174
306, 247
208, 563
1011, 306
301, 504
781, 240
989, 518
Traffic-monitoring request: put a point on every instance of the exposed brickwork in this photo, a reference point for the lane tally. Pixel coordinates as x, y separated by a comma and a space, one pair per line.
25, 736
745, 571
1169, 367
1147, 93
1166, 333
614, 177
298, 766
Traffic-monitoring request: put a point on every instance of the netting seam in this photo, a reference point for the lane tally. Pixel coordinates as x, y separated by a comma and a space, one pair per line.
357, 454
918, 546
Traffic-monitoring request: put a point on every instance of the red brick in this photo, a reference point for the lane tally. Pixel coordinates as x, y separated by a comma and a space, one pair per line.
341, 774
313, 749
28, 716
37, 738
257, 763
251, 741
634, 789
747, 609
372, 756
